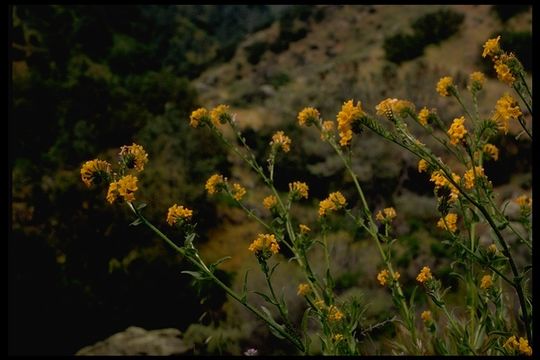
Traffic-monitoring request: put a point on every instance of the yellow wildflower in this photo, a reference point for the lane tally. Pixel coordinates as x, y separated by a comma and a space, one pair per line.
269, 202
390, 107
334, 314
397, 275
511, 343
299, 189
198, 117
264, 244
454, 194
438, 179
327, 129
214, 183
426, 316
112, 193
94, 171
383, 277
304, 229
471, 175
524, 201
389, 214
476, 81
319, 304
524, 347
349, 113
308, 116
423, 116
333, 202
424, 275
280, 140
506, 109
492, 151
178, 212
444, 84
492, 248
238, 191
491, 47
422, 166
303, 289
220, 115
504, 73
337, 338
134, 156
486, 282
448, 223
457, 130
125, 187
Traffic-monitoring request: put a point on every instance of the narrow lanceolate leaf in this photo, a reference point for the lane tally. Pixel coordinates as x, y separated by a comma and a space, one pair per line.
197, 275
136, 222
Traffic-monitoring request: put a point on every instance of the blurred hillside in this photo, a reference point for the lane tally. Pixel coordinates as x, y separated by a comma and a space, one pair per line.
89, 79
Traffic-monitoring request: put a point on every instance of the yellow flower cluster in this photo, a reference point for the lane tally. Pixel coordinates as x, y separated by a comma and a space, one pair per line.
522, 345
389, 214
308, 116
448, 223
220, 114
382, 276
177, 212
134, 156
346, 117
304, 229
264, 244
280, 140
423, 116
491, 47
303, 289
298, 190
476, 81
333, 202
214, 183
506, 109
457, 130
491, 150
426, 316
334, 314
327, 129
93, 171
424, 275
269, 202
337, 338
438, 178
390, 107
524, 201
238, 191
504, 73
199, 117
125, 187
470, 177
444, 84
486, 282
422, 166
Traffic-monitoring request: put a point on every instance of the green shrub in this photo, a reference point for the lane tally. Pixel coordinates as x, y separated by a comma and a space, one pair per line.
255, 51
437, 26
402, 47
506, 12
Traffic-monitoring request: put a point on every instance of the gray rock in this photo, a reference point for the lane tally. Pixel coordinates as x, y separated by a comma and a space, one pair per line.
138, 341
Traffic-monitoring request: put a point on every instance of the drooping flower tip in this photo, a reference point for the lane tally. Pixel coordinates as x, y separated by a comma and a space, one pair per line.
214, 184
491, 47
422, 166
199, 117
308, 116
95, 171
220, 115
444, 84
134, 156
476, 81
491, 150
346, 117
178, 212
457, 130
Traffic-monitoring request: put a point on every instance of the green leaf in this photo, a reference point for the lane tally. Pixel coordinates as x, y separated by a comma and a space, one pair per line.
138, 221
141, 206
272, 270
196, 274
217, 262
265, 297
244, 287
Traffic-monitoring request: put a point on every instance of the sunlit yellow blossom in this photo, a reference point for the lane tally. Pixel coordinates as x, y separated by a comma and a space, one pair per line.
125, 187
448, 223
198, 117
304, 229
299, 189
95, 171
438, 179
220, 114
506, 109
134, 156
391, 107
319, 304
214, 183
491, 47
486, 282
333, 202
492, 248
269, 202
387, 214
422, 166
337, 338
308, 116
511, 343
424, 275
492, 151
264, 244
280, 140
476, 81
454, 191
524, 201
443, 85
238, 191
383, 277
524, 347
426, 316
178, 212
334, 314
349, 113
470, 176
457, 130
397, 275
303, 289
423, 116
327, 129
504, 73
112, 193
